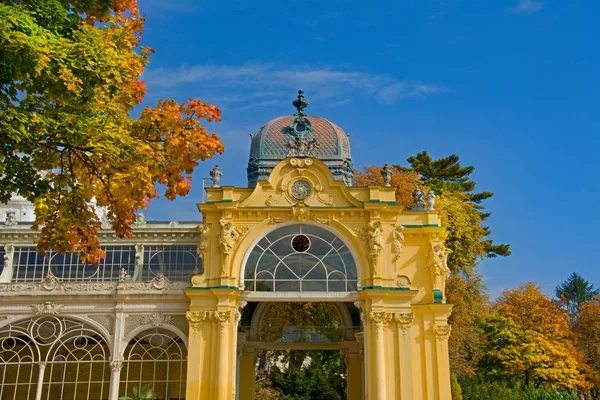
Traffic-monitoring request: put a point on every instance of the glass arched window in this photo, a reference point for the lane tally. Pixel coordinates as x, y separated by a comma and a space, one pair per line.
69, 358
300, 258
156, 357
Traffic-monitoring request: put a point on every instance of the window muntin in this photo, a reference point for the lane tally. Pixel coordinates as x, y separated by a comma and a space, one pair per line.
75, 360
177, 263
274, 265
155, 357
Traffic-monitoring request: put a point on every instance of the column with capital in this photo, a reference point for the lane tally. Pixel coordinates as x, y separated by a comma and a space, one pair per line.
117, 361
379, 320
115, 376
404, 321
197, 346
224, 381
441, 334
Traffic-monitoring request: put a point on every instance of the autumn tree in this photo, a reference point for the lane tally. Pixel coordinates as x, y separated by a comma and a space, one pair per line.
575, 291
588, 342
529, 341
69, 80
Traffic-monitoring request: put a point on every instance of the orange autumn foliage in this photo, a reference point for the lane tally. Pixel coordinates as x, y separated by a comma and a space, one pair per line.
73, 77
403, 181
529, 340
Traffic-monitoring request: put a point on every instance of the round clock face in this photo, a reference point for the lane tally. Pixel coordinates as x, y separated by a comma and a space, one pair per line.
300, 189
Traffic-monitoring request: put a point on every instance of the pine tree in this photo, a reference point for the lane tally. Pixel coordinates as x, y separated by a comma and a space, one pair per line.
575, 291
446, 176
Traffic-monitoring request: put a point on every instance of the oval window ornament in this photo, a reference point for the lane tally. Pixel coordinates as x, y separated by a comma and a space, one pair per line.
301, 189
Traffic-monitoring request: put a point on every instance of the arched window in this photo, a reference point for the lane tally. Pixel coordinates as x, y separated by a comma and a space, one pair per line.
300, 258
71, 357
155, 357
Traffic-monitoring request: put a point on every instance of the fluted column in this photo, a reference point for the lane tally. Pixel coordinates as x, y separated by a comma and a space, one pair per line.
380, 319
197, 347
442, 333
226, 345
404, 321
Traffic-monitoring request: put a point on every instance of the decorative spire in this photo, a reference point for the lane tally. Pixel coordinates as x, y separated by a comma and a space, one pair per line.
300, 103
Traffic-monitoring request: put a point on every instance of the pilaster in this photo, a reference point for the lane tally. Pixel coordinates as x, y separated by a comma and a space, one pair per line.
213, 319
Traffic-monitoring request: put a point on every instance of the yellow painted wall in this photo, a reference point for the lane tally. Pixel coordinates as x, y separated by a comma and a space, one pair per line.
405, 328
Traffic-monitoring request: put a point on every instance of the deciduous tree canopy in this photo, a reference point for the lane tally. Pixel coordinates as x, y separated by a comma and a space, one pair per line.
69, 80
529, 341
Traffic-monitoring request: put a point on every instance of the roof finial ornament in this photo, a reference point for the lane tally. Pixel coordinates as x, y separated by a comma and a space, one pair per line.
300, 103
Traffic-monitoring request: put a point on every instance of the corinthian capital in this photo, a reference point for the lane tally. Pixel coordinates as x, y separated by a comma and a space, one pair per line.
223, 317
380, 318
442, 331
196, 318
404, 318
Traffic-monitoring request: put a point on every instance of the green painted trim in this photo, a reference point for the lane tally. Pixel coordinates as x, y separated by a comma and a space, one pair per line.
438, 296
384, 288
309, 207
220, 201
421, 226
214, 287
391, 203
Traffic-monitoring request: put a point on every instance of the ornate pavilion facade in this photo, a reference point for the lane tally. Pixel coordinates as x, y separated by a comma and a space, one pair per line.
181, 305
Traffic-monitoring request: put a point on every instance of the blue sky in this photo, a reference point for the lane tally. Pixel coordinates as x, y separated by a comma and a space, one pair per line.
511, 86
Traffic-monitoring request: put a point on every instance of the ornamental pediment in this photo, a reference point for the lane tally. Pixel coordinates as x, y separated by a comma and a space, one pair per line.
300, 180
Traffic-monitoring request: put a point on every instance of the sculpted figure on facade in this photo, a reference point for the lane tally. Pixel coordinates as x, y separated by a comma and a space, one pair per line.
301, 147
397, 240
227, 240
139, 256
204, 231
439, 265
9, 251
375, 239
11, 219
140, 220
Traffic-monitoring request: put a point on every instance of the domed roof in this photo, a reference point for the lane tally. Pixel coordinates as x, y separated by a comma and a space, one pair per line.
269, 142
300, 135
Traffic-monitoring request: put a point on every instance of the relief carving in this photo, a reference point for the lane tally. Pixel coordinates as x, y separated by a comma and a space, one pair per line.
157, 319
116, 365
196, 318
404, 319
46, 308
380, 318
442, 331
301, 212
